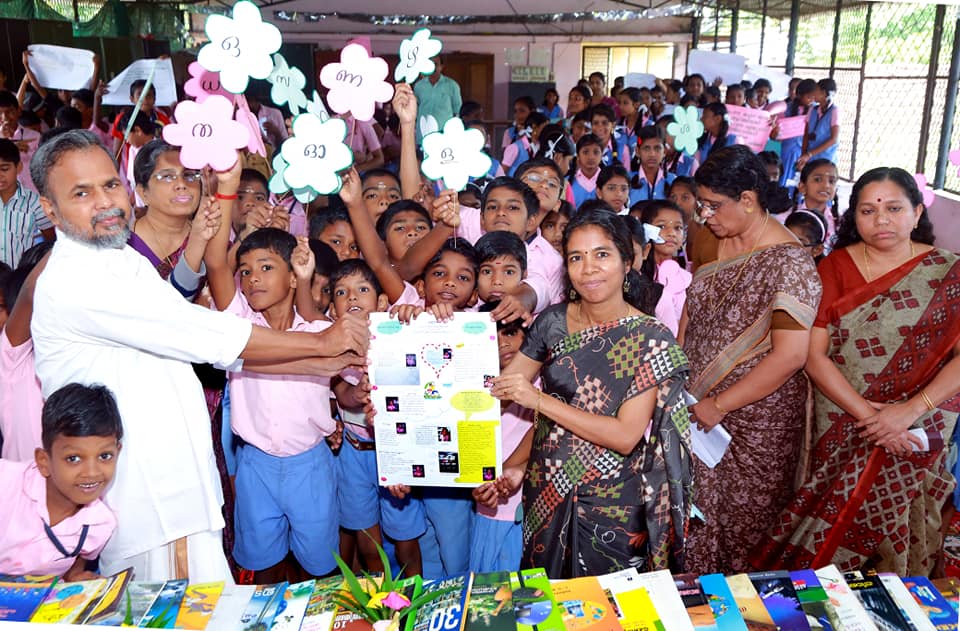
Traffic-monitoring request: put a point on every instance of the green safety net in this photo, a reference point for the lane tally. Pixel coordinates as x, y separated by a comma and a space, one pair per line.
102, 18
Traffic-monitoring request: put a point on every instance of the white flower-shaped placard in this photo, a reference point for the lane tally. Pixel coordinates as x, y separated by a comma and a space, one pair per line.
288, 83
686, 129
317, 108
315, 153
239, 46
415, 56
278, 186
455, 155
356, 82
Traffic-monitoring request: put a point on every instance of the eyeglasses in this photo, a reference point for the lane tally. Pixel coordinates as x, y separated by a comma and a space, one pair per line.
712, 207
536, 178
169, 177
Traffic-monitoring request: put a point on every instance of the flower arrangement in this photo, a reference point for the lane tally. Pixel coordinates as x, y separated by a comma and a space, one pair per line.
381, 601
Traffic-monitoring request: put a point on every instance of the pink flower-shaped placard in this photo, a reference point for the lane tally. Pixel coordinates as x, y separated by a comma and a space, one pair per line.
356, 82
925, 190
954, 157
204, 83
207, 134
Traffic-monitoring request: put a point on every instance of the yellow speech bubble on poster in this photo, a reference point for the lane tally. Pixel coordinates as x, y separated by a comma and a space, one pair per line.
472, 401
477, 445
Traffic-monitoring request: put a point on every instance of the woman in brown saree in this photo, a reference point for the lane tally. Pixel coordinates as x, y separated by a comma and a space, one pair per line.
884, 359
608, 481
746, 331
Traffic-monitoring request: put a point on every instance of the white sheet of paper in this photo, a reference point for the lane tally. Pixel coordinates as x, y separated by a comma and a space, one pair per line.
712, 64
163, 81
710, 446
639, 80
922, 435
61, 68
436, 422
779, 80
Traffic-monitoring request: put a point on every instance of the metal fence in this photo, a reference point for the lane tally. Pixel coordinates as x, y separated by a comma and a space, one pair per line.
891, 62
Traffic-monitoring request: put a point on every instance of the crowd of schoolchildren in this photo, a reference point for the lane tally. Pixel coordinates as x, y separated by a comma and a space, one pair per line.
299, 451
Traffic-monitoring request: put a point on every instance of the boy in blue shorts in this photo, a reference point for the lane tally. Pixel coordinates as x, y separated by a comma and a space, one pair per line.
364, 505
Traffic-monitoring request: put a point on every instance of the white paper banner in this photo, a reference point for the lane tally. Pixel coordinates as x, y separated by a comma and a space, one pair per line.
711, 64
163, 81
780, 81
61, 68
639, 80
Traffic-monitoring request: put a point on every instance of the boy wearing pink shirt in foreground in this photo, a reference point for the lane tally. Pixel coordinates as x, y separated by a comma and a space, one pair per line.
53, 518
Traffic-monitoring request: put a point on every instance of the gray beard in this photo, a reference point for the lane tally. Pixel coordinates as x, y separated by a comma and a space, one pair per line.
115, 240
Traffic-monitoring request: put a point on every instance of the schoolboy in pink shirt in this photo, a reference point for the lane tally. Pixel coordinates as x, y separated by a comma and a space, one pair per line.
53, 519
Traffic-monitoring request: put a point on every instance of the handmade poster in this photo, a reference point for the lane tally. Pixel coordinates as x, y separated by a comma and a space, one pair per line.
791, 127
118, 90
712, 64
61, 68
436, 422
752, 127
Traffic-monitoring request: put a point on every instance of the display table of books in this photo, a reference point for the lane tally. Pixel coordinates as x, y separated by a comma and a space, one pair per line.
521, 601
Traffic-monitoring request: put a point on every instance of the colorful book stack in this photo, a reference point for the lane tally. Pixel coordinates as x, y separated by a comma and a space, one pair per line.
807, 600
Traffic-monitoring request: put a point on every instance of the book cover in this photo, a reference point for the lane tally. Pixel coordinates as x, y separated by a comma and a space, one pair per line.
949, 588
878, 603
137, 598
616, 583
780, 598
292, 609
65, 601
698, 607
446, 612
262, 608
850, 611
820, 612
110, 599
490, 606
162, 613
533, 602
584, 605
911, 611
28, 578
231, 606
934, 605
321, 608
663, 592
18, 601
199, 601
630, 601
348, 621
724, 607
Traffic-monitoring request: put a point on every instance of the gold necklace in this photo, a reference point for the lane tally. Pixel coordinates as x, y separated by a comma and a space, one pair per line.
866, 260
713, 306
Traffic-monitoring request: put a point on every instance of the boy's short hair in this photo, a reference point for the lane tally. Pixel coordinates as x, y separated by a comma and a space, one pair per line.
595, 204
582, 116
69, 117
146, 161
322, 219
379, 172
394, 209
252, 175
530, 199
470, 109
276, 240
649, 132
139, 84
588, 140
712, 90
538, 163
458, 246
84, 95
9, 99
735, 87
603, 110
141, 121
326, 261
528, 101
9, 151
78, 411
499, 243
351, 267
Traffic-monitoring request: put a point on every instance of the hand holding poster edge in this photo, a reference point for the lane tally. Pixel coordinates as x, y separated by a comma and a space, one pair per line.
454, 155
207, 133
416, 55
61, 67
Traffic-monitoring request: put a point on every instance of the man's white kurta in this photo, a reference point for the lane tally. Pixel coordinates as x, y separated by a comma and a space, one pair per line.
105, 316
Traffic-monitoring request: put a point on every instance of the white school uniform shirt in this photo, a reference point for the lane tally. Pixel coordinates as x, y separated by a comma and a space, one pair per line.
104, 316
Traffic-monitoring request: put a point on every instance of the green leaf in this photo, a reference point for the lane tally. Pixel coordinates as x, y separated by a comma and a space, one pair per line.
387, 572
128, 616
359, 594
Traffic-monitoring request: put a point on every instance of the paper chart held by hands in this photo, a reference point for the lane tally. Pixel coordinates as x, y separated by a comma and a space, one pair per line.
455, 155
436, 422
60, 67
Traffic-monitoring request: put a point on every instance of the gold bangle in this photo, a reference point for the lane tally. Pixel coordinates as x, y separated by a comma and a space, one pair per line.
926, 401
716, 404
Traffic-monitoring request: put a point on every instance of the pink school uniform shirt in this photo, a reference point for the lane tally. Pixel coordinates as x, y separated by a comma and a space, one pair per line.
24, 545
21, 401
675, 281
544, 264
515, 421
282, 415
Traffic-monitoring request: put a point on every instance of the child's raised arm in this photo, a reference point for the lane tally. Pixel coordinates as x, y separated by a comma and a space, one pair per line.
446, 218
405, 105
219, 271
374, 250
17, 327
304, 264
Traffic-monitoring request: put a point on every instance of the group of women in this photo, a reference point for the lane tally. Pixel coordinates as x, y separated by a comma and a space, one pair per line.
854, 474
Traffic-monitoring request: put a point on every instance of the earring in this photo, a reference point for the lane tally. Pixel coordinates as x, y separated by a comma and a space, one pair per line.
749, 208
573, 294
626, 285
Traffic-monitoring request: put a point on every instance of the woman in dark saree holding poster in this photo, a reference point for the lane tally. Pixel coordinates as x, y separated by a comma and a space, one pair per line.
608, 481
885, 359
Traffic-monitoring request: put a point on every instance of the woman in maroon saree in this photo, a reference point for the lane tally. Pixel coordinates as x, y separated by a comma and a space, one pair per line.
885, 359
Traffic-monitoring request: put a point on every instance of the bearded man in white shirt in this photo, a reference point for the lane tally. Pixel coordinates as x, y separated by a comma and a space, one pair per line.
103, 315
